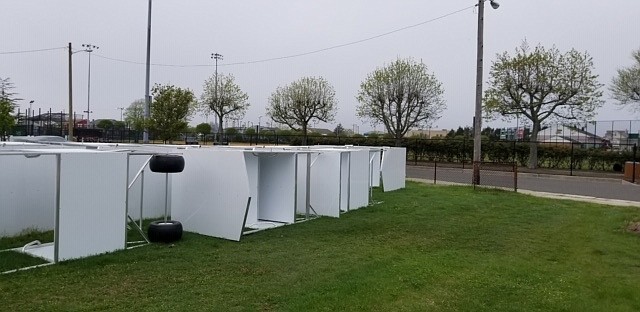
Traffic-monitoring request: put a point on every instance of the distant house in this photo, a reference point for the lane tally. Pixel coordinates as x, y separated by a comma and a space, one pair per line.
621, 139
320, 131
562, 134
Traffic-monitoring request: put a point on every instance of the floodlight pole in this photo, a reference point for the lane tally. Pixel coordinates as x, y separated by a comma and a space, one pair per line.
147, 98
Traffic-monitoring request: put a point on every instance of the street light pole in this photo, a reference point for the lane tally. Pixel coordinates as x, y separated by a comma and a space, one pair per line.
477, 121
121, 109
88, 48
70, 123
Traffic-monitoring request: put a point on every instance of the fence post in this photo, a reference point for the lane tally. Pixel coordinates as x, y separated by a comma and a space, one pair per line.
435, 170
571, 161
633, 174
515, 176
415, 153
464, 149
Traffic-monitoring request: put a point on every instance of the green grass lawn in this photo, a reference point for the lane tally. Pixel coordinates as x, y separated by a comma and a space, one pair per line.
439, 248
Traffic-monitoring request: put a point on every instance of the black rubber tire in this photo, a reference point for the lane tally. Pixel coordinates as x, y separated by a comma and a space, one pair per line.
617, 167
164, 231
166, 163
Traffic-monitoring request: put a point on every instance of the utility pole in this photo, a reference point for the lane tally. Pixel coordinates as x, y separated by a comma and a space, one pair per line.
477, 122
70, 123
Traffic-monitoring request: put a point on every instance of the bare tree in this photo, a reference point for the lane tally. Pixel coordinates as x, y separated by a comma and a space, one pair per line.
401, 95
223, 97
304, 100
625, 87
542, 85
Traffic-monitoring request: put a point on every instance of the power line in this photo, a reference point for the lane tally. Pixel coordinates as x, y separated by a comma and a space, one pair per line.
267, 59
31, 51
299, 54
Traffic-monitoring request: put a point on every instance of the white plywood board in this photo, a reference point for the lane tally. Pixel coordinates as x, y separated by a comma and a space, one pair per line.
251, 163
301, 183
394, 161
375, 157
276, 187
326, 184
92, 216
344, 181
27, 193
210, 196
359, 179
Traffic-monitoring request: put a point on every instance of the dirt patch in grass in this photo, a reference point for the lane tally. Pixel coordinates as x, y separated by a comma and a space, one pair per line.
634, 227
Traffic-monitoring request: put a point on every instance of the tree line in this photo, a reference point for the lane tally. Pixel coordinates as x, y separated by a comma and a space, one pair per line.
540, 84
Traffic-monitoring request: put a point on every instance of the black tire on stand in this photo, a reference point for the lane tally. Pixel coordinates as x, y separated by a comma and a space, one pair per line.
164, 231
166, 163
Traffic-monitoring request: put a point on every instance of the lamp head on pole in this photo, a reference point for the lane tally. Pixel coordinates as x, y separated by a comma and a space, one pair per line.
494, 4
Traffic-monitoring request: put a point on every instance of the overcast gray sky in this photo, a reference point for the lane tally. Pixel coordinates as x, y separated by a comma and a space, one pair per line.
246, 32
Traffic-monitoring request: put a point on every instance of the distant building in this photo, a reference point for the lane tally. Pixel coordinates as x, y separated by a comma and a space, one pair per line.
621, 139
427, 133
562, 134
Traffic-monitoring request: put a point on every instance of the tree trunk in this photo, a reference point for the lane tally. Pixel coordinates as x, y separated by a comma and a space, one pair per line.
533, 146
304, 133
398, 140
220, 129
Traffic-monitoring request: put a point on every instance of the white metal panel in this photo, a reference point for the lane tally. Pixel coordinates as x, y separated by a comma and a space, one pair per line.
359, 183
344, 181
27, 193
251, 163
394, 168
301, 194
276, 187
210, 196
325, 183
375, 156
92, 204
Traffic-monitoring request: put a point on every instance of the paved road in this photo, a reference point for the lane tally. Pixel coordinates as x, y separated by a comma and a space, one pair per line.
584, 186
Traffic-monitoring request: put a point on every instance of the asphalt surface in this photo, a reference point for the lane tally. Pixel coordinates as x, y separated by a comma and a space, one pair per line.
602, 189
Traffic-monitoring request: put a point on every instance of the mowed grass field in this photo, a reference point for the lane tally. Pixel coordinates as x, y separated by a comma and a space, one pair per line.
423, 248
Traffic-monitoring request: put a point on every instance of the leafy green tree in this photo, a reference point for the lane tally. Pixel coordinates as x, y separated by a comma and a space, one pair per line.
7, 107
203, 128
105, 124
401, 96
339, 130
304, 100
134, 115
119, 125
542, 85
625, 87
171, 108
223, 97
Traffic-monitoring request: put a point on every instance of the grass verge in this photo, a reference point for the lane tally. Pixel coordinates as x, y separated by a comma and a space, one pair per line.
438, 248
